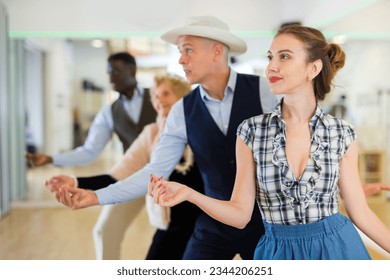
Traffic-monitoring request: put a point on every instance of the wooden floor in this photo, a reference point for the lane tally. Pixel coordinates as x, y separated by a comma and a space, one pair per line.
42, 229
39, 228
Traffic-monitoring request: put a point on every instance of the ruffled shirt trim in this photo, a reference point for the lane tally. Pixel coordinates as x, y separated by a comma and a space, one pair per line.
299, 191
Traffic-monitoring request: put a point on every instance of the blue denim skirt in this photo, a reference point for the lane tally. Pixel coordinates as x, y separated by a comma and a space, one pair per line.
332, 238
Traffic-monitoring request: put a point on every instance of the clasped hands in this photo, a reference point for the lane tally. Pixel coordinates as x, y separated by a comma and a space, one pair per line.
164, 193
68, 194
167, 193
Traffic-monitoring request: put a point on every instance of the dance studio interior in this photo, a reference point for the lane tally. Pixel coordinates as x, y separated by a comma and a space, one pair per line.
53, 82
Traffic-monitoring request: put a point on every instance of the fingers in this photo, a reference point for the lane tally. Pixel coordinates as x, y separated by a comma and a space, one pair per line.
153, 183
28, 155
58, 195
67, 196
53, 184
158, 189
374, 188
38, 159
385, 187
50, 184
31, 159
166, 193
35, 159
63, 197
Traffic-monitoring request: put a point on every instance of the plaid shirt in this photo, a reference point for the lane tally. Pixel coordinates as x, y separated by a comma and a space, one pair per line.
282, 198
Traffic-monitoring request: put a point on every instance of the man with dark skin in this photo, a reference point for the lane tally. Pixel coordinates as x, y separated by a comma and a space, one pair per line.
126, 117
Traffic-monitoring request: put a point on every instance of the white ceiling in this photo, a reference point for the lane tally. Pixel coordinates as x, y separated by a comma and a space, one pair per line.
247, 18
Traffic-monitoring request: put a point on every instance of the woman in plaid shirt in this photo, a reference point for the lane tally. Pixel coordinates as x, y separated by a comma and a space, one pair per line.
294, 161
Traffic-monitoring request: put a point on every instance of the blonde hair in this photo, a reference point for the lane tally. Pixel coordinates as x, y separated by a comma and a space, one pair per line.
178, 85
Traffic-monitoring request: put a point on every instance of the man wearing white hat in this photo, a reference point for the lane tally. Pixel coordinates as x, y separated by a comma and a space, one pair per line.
207, 120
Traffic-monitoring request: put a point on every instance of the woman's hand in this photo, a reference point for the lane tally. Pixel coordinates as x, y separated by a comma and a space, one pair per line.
55, 182
167, 193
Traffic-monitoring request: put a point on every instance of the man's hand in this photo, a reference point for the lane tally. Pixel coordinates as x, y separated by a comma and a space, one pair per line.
38, 159
76, 198
167, 193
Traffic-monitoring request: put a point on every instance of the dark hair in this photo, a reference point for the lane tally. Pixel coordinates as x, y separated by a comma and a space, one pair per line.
123, 56
331, 55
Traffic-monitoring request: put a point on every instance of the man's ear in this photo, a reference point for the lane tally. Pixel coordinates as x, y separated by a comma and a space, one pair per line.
218, 51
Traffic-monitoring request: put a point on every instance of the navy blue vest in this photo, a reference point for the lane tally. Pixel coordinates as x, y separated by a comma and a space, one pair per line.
215, 152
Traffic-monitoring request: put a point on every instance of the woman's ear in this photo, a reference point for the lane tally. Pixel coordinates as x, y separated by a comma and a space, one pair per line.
315, 69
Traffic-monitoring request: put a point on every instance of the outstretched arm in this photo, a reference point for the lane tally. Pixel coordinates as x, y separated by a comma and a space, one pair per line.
134, 159
164, 158
237, 212
355, 202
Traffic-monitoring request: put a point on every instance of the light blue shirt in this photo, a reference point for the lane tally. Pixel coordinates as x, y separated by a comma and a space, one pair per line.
100, 132
174, 140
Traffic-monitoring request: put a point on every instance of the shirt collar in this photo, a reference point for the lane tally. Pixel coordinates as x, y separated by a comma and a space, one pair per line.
230, 87
319, 115
138, 92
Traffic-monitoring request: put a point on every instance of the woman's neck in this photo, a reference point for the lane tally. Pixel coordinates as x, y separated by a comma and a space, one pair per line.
299, 108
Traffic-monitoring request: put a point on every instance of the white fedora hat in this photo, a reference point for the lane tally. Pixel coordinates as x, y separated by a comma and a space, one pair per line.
208, 27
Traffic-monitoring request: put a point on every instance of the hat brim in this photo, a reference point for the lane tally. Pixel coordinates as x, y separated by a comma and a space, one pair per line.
236, 45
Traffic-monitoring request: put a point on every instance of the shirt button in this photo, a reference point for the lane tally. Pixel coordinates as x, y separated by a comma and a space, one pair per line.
231, 161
